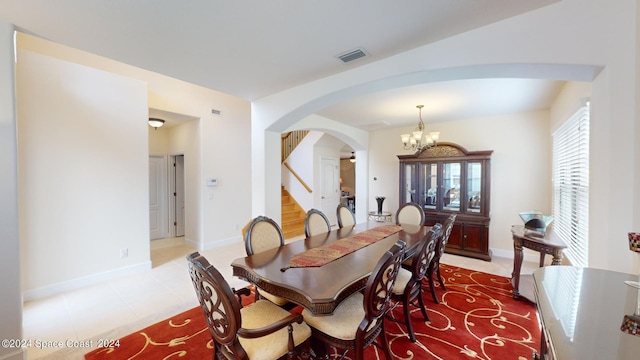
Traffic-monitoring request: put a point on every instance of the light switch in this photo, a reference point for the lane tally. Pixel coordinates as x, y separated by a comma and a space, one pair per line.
212, 182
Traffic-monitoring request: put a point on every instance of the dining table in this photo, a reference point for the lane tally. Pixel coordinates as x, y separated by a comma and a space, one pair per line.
320, 289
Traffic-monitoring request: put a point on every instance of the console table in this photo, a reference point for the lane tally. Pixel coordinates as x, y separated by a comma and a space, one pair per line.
544, 244
582, 311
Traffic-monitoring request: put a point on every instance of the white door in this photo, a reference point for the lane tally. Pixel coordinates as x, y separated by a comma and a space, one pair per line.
179, 195
156, 198
330, 187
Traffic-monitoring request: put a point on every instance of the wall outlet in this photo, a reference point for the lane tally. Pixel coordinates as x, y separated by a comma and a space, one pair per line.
124, 253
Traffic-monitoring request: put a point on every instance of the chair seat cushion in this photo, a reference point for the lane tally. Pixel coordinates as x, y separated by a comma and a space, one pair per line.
403, 278
273, 346
274, 299
343, 323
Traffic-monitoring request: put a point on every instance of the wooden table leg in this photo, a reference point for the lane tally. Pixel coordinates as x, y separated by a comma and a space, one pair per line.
557, 257
517, 266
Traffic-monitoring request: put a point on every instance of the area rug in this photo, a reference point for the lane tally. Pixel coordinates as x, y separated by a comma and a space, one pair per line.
477, 318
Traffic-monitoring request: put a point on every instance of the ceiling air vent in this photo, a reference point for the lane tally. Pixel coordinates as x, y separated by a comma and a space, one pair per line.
216, 112
352, 55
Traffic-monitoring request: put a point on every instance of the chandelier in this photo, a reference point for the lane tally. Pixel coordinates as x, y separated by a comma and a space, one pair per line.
414, 141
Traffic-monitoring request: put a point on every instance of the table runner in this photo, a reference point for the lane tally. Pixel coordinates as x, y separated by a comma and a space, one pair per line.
327, 253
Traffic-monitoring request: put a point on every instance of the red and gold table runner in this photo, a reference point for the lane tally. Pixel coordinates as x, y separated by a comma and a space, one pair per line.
327, 253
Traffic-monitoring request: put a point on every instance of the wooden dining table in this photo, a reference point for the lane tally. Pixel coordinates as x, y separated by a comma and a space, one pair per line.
321, 289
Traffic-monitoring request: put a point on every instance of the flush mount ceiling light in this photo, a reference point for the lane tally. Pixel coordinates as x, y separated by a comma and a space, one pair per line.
353, 157
155, 123
414, 140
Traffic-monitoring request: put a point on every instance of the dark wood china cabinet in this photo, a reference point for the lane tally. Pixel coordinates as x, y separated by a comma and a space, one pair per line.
449, 179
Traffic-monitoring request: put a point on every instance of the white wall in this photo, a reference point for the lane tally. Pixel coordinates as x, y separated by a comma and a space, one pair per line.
184, 140
159, 141
520, 174
220, 145
83, 174
327, 148
301, 161
306, 162
10, 296
562, 41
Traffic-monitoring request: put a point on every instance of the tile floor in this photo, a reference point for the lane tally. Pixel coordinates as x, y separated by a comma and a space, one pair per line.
118, 307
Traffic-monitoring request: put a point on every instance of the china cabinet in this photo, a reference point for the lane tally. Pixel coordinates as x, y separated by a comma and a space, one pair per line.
449, 179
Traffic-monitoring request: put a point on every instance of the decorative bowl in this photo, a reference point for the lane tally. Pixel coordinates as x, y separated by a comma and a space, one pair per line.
536, 220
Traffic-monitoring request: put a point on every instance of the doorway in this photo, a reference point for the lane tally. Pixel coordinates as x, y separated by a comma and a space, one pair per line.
177, 196
330, 187
157, 196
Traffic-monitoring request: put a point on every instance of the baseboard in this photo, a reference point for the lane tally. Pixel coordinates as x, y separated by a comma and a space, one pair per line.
81, 282
213, 244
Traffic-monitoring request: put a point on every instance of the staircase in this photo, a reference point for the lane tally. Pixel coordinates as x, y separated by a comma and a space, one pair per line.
292, 216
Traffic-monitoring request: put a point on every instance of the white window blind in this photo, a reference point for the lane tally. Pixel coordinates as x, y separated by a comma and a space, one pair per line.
571, 186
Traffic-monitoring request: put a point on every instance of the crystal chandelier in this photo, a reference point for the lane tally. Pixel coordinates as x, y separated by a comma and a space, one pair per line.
414, 141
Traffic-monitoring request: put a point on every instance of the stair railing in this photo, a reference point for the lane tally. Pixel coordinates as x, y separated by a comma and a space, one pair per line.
295, 174
290, 140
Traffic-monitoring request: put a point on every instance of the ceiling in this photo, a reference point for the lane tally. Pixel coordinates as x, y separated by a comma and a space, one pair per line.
255, 48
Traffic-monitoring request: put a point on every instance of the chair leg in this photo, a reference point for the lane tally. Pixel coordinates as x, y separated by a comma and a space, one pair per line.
432, 287
423, 307
385, 342
407, 319
440, 278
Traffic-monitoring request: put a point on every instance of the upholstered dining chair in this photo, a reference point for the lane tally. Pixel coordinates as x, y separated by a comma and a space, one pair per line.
261, 330
359, 319
408, 286
434, 268
316, 222
346, 218
410, 213
263, 234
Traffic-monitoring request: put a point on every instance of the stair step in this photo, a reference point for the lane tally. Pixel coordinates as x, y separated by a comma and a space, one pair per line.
292, 216
289, 207
292, 230
293, 222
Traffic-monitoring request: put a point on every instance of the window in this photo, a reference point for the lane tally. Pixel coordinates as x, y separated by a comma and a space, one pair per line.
571, 186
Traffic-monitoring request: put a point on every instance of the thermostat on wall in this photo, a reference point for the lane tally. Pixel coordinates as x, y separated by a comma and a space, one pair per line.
212, 182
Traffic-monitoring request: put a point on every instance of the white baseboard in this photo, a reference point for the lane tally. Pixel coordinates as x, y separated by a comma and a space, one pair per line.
78, 283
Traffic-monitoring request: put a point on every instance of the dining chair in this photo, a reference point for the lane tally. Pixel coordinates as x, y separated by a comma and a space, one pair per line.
434, 268
408, 286
263, 234
358, 321
346, 218
316, 222
410, 213
261, 330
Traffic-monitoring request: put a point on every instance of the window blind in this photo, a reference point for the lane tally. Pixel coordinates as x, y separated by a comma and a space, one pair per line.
571, 185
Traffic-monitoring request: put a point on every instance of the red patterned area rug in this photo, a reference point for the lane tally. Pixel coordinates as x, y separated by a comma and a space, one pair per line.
476, 319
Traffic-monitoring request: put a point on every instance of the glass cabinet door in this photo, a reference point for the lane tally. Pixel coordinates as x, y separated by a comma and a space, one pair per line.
409, 192
451, 186
429, 185
474, 187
